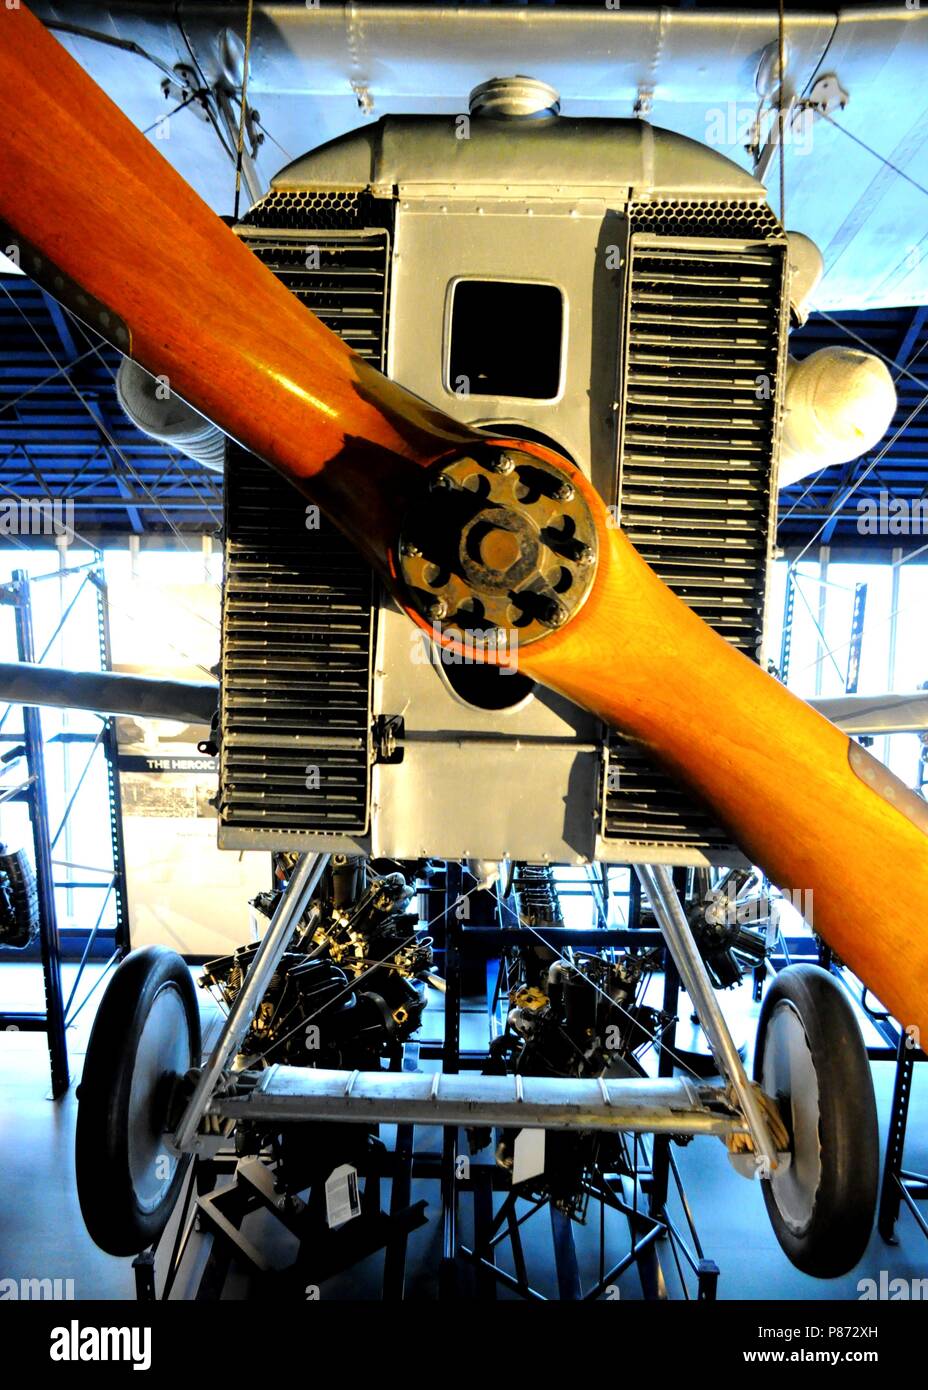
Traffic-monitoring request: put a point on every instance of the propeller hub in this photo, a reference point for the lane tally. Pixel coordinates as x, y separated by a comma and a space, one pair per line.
499, 539
499, 548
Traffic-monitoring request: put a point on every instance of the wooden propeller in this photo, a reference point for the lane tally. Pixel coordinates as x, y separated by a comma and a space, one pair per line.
103, 222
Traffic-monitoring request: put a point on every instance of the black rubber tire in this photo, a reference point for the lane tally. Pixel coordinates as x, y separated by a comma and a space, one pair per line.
19, 900
114, 1215
843, 1207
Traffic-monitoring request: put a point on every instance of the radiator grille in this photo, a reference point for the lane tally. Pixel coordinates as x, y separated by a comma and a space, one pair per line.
730, 217
702, 355
341, 277
298, 608
296, 648
322, 209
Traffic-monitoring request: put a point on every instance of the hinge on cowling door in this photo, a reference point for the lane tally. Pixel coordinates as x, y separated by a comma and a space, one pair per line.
388, 731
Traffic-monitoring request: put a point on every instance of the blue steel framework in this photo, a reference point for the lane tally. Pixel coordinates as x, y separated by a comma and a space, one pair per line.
64, 435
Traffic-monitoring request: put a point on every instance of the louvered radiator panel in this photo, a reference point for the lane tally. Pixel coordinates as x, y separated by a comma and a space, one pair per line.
297, 619
298, 610
340, 276
702, 364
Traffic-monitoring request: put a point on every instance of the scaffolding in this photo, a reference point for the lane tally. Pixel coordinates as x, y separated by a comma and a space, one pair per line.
27, 750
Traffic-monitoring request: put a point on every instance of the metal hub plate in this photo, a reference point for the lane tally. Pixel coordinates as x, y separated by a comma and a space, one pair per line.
501, 539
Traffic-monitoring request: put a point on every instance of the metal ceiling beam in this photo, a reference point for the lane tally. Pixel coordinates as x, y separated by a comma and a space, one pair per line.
62, 328
911, 335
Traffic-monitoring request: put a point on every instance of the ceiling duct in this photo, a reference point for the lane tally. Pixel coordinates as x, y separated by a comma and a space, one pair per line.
160, 413
839, 404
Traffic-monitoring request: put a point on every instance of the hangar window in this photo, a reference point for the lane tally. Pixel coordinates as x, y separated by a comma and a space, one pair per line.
506, 339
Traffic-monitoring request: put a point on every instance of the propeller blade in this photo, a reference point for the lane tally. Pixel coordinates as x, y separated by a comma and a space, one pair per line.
103, 222
823, 818
106, 225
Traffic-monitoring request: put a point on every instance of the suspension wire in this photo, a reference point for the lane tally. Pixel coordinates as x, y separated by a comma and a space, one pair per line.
98, 422
92, 545
127, 45
262, 127
97, 349
818, 628
179, 21
37, 386
805, 492
168, 114
870, 150
353, 983
901, 371
781, 114
122, 608
654, 1038
843, 647
911, 555
162, 509
243, 110
852, 487
193, 483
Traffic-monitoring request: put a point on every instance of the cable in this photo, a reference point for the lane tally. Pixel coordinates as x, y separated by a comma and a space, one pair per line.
615, 1004
98, 420
781, 114
167, 116
876, 154
818, 628
864, 475
286, 153
901, 371
8, 405
816, 475
243, 109
128, 45
217, 128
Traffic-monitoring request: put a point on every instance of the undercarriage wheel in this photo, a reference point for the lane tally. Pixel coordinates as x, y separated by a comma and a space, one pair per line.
811, 1059
145, 1036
